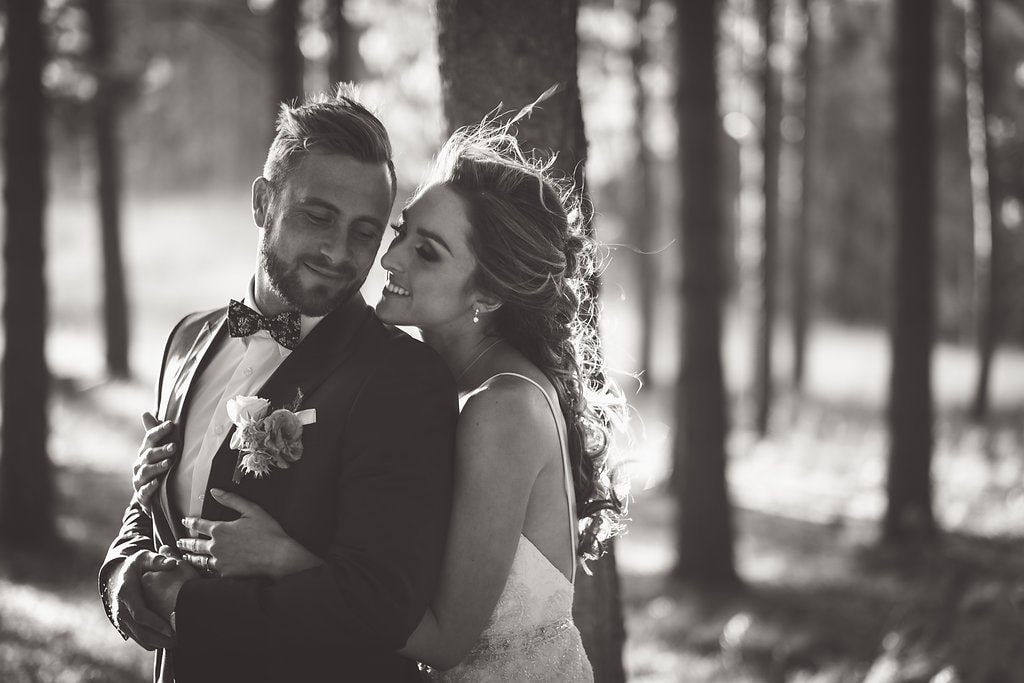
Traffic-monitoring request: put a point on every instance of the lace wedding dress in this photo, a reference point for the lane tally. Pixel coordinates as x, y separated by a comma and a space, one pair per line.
531, 635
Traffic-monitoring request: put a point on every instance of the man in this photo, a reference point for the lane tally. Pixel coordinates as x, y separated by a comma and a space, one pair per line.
371, 491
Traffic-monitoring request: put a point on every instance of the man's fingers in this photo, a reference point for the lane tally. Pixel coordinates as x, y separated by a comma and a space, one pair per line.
149, 421
132, 600
155, 563
148, 619
147, 637
171, 553
203, 526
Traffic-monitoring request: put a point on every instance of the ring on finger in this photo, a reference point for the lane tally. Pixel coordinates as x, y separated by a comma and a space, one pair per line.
204, 563
201, 562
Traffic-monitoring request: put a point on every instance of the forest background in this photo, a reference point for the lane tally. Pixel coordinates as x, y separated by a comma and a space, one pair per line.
802, 571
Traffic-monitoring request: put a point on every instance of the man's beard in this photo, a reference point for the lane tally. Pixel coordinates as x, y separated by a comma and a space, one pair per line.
314, 302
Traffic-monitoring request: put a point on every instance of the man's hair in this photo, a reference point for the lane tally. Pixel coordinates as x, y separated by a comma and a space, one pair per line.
328, 122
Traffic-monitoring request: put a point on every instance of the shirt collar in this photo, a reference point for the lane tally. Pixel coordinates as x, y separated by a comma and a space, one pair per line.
307, 322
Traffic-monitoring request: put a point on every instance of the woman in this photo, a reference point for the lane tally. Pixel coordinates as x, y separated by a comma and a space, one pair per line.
490, 262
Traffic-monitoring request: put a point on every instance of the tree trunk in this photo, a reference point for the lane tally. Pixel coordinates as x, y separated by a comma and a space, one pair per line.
704, 529
26, 477
343, 60
909, 513
644, 218
504, 53
987, 195
597, 611
106, 116
772, 146
286, 57
801, 240
495, 52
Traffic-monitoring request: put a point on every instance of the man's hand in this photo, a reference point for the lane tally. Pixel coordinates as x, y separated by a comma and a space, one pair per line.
160, 588
128, 604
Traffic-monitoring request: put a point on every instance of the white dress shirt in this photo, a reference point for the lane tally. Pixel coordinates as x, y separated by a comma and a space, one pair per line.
238, 368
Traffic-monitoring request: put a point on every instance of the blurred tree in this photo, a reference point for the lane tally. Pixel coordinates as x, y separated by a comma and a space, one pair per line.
343, 59
285, 56
704, 528
772, 148
26, 477
986, 194
801, 246
106, 116
644, 211
494, 52
910, 414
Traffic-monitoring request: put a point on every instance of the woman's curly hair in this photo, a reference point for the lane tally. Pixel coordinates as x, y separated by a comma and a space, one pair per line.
534, 255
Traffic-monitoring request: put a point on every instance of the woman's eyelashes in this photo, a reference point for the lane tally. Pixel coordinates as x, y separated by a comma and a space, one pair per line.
424, 250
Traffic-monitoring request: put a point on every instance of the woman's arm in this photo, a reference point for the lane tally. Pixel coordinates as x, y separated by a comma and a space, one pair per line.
252, 545
501, 444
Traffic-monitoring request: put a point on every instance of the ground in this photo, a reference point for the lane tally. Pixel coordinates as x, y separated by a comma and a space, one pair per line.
822, 600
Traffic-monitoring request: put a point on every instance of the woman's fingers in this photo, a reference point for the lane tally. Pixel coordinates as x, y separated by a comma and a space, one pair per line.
149, 421
195, 546
154, 435
206, 563
151, 455
237, 503
144, 474
152, 463
146, 492
200, 525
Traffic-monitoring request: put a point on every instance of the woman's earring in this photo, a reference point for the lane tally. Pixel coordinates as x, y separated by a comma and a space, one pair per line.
476, 315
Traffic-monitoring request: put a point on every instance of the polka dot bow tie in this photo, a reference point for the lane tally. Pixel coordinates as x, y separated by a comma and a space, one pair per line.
283, 327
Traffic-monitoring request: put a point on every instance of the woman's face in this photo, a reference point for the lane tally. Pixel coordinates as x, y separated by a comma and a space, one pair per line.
429, 263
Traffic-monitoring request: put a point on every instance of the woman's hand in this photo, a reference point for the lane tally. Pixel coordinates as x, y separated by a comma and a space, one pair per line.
252, 545
154, 459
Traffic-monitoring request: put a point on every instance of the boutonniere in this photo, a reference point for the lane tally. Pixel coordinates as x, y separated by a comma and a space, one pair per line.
266, 438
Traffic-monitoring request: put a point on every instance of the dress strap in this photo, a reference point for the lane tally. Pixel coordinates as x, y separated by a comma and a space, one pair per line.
563, 440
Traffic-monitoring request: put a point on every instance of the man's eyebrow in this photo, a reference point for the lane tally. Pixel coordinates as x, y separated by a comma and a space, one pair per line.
372, 220
314, 201
327, 206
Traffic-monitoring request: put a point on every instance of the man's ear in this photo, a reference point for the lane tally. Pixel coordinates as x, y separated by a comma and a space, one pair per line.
260, 201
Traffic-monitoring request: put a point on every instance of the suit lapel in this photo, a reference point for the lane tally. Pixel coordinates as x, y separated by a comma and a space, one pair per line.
303, 371
194, 360
314, 359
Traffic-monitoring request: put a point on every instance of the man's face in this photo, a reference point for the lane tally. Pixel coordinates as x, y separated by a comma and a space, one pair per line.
320, 233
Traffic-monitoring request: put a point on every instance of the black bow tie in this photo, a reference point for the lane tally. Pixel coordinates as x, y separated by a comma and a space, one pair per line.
283, 327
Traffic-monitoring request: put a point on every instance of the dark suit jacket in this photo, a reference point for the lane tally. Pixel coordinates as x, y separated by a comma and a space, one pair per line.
371, 494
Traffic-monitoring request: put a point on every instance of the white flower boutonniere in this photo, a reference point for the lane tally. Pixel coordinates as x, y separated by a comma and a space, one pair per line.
266, 438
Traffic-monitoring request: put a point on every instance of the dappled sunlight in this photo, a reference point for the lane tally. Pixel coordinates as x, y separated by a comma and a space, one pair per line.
62, 637
99, 426
808, 502
822, 599
821, 603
